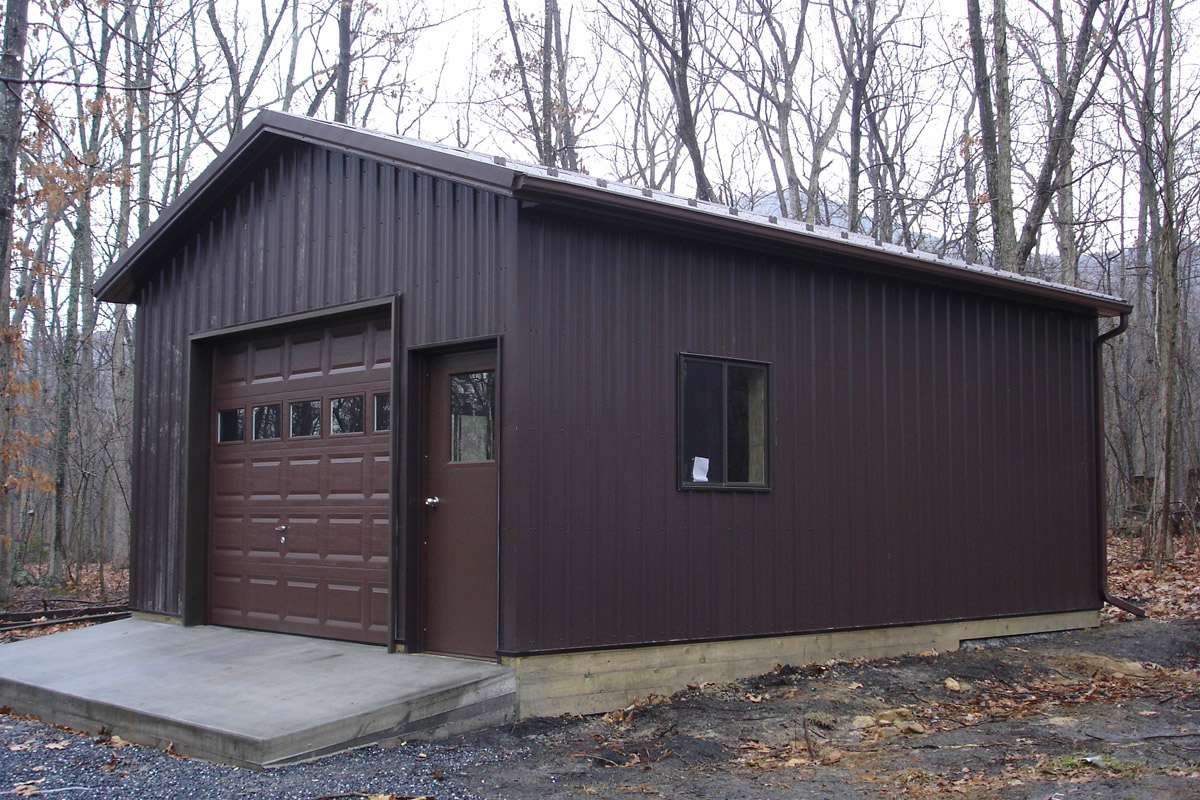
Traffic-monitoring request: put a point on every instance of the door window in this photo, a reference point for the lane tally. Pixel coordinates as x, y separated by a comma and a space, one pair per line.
472, 416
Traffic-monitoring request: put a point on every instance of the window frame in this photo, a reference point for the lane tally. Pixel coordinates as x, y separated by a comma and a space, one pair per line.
681, 482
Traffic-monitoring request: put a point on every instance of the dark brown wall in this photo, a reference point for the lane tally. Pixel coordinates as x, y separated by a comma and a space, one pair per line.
314, 229
932, 450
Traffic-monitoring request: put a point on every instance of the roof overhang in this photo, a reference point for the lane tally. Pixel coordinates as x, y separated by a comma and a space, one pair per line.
533, 184
730, 224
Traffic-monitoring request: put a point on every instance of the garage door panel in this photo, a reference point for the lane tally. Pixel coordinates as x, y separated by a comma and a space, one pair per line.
264, 479
303, 601
304, 538
382, 353
232, 372
347, 479
303, 477
381, 475
229, 477
306, 355
326, 573
266, 362
349, 351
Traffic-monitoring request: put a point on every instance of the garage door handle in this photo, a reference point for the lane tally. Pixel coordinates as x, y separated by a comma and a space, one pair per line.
433, 502
281, 528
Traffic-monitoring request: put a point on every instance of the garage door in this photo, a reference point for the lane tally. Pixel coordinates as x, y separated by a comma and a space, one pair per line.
299, 526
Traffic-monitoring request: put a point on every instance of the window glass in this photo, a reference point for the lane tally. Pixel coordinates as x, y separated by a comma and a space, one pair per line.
723, 425
346, 414
745, 423
266, 422
306, 418
472, 416
383, 411
703, 437
231, 425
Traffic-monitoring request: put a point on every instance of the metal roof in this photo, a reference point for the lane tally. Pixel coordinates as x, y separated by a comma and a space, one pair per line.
546, 184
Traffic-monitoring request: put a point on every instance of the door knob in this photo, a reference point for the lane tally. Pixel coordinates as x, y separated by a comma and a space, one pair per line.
433, 502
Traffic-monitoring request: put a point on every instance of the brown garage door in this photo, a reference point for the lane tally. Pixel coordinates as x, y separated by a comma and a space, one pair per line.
299, 525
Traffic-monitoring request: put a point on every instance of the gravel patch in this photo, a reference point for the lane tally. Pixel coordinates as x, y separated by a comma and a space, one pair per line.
65, 764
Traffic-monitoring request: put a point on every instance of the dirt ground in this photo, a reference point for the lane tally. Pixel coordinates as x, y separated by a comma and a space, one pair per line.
1110, 713
1103, 714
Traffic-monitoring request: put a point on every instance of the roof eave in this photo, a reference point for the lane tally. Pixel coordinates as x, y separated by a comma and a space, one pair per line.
555, 192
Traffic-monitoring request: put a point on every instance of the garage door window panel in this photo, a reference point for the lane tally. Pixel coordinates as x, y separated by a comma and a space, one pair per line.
383, 411
231, 425
346, 415
305, 419
266, 422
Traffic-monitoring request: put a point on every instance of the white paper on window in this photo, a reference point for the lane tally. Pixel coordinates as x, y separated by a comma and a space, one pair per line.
699, 470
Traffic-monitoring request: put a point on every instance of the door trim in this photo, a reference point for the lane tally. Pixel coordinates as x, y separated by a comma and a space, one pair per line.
418, 357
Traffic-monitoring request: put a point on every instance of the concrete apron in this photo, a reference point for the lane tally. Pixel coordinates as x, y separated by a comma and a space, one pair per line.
244, 697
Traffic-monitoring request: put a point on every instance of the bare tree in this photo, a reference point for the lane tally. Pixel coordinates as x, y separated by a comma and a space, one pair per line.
994, 98
12, 73
552, 117
674, 27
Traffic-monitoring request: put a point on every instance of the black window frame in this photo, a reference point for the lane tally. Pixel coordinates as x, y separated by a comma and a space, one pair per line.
681, 477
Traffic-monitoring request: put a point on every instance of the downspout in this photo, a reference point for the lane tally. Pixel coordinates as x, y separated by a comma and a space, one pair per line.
1101, 470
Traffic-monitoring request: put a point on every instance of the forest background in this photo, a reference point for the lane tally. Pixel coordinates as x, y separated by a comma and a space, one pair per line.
1054, 138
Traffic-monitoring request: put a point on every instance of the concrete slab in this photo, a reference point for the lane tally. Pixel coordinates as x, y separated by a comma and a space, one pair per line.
245, 697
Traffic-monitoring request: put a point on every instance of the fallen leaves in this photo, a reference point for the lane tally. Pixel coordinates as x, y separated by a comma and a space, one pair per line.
1173, 595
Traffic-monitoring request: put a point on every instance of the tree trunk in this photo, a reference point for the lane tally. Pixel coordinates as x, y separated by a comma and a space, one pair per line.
66, 379
12, 71
971, 236
1168, 252
1064, 218
341, 92
995, 127
681, 89
853, 199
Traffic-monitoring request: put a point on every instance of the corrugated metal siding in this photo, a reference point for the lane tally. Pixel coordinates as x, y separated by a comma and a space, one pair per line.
313, 229
932, 450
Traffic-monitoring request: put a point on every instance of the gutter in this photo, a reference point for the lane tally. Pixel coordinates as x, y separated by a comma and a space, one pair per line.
1101, 478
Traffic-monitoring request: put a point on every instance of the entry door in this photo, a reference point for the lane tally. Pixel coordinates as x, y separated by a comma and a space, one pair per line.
458, 548
299, 512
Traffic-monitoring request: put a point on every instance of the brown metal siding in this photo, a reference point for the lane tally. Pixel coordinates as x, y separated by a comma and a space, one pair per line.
313, 229
932, 449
